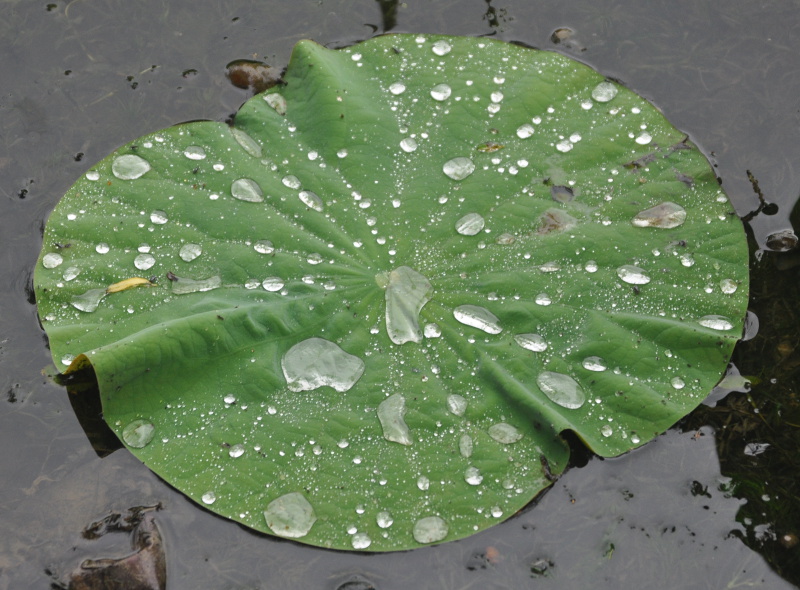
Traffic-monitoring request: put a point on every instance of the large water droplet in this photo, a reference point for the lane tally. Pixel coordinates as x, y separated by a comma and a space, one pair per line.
465, 446
715, 322
423, 483
52, 260
138, 434
561, 389
665, 215
190, 251
102, 248
457, 404
195, 152
247, 189
470, 225
504, 433
397, 88
250, 145
317, 362
594, 363
360, 541
604, 91
525, 131
728, 286
277, 102
264, 247
311, 200
643, 138
432, 331
472, 475
384, 519
606, 430
408, 144
441, 47
532, 342
458, 168
88, 301
129, 167
291, 181
430, 529
290, 516
555, 220
183, 286
158, 217
71, 273
209, 498
144, 261
478, 317
273, 284
441, 92
407, 292
633, 275
390, 414
236, 451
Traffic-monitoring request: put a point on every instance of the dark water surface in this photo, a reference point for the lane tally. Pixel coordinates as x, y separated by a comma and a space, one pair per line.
697, 508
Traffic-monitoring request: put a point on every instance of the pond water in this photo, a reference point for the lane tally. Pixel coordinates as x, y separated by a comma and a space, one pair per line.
711, 504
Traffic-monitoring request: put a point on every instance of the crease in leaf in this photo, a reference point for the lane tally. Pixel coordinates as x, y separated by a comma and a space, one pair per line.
392, 284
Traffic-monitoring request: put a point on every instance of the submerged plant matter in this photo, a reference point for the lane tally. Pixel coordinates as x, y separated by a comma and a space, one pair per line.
374, 303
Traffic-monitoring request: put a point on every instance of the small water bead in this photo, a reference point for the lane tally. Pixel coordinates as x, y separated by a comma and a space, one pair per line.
273, 284
525, 131
342, 153
586, 105
715, 322
144, 261
458, 168
92, 175
236, 451
397, 88
390, 414
665, 215
314, 258
423, 483
496, 96
465, 446
290, 516
277, 102
456, 404
561, 389
677, 383
190, 252
130, 167
604, 92
633, 275
409, 144
195, 152
606, 430
52, 260
356, 57
504, 433
430, 529
71, 273
291, 181
635, 439
594, 363
158, 217
361, 541
441, 92
441, 47
88, 301
218, 167
138, 434
478, 317
384, 519
590, 266
644, 138
473, 476
686, 260
728, 286
471, 224
67, 359
316, 362
247, 189
209, 498
551, 266
542, 299
532, 342
264, 247
229, 398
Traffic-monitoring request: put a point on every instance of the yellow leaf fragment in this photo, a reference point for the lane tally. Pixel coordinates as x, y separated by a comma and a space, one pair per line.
129, 284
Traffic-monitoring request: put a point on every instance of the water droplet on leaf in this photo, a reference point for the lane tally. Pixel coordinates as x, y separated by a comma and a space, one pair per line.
317, 362
290, 516
561, 389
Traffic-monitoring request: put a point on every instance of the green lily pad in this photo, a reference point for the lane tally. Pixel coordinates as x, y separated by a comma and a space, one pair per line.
362, 316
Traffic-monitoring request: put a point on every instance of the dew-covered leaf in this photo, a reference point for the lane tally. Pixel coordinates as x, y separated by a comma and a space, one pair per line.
362, 317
